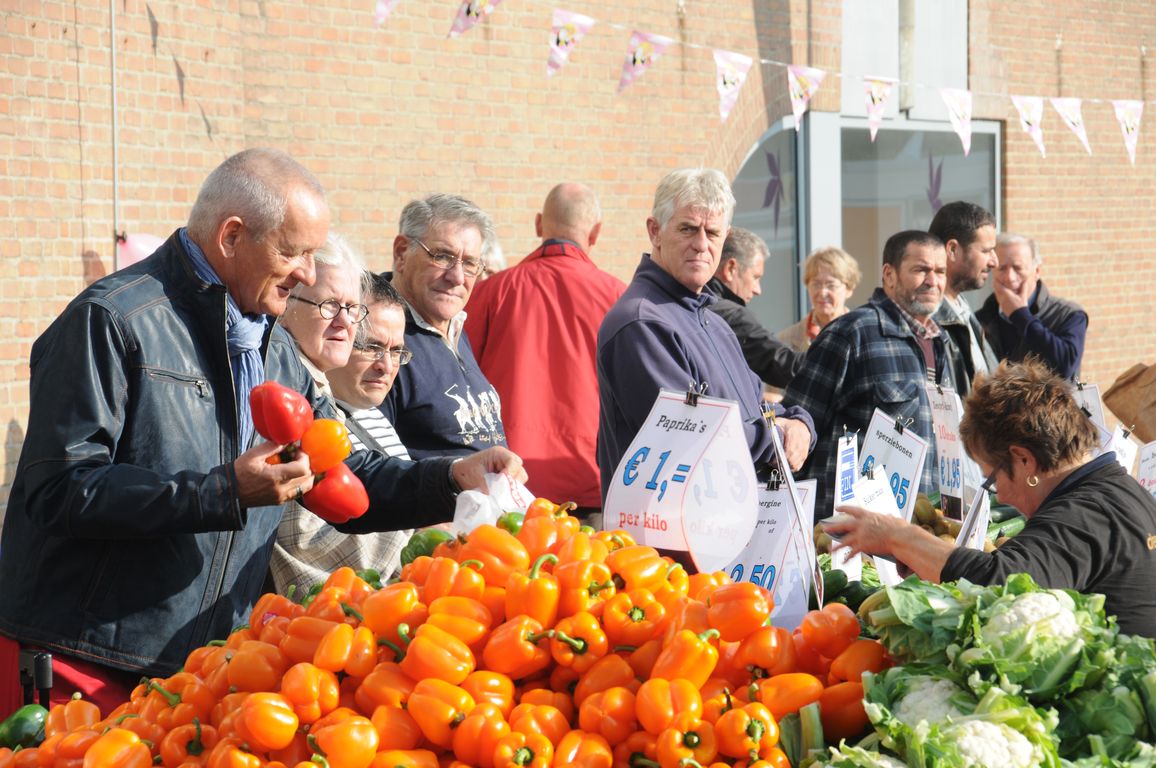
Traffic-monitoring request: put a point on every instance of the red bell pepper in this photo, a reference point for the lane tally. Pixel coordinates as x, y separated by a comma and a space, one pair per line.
280, 414
338, 496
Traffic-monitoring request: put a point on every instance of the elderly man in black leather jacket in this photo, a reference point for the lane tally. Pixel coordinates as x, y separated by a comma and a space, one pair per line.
141, 519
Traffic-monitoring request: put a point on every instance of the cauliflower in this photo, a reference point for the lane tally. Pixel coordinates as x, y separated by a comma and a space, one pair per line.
993, 745
848, 756
1050, 614
927, 699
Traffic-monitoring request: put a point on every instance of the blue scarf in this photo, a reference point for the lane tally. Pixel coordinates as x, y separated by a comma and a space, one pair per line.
243, 334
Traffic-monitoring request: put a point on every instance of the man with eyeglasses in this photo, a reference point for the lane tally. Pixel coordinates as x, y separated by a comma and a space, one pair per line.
144, 506
442, 405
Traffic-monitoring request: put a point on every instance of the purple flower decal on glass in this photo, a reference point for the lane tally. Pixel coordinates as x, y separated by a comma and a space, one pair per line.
774, 196
934, 181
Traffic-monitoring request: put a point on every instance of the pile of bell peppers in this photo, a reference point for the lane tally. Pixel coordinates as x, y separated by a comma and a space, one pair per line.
284, 416
552, 646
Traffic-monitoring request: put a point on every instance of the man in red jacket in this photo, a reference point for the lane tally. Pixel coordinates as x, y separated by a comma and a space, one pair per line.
534, 331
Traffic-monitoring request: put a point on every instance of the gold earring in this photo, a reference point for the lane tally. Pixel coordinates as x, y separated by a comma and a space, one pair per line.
1033, 481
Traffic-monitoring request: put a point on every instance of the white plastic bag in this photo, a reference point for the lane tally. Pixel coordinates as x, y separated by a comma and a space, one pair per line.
504, 494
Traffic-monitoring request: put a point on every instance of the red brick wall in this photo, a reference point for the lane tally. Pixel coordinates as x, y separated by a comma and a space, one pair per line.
386, 114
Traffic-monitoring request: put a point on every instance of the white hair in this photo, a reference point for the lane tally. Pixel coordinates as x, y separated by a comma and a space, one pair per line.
701, 187
1008, 238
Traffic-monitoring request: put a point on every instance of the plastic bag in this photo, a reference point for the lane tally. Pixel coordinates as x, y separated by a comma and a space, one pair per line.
504, 494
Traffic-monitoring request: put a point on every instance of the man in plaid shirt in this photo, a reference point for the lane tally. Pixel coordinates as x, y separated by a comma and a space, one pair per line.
880, 355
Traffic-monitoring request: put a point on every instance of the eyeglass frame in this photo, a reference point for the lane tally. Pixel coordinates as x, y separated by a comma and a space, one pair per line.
454, 260
401, 354
335, 303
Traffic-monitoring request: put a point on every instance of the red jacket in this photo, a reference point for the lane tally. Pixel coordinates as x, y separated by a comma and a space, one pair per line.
534, 332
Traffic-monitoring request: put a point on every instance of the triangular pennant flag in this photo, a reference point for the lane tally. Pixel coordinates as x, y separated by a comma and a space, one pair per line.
642, 51
569, 28
958, 103
1031, 111
877, 91
382, 9
471, 12
802, 84
1069, 110
732, 73
1128, 112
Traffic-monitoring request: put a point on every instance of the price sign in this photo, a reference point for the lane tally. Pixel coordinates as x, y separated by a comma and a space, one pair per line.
1088, 397
901, 451
946, 411
874, 494
1146, 470
973, 531
846, 468
1125, 447
687, 482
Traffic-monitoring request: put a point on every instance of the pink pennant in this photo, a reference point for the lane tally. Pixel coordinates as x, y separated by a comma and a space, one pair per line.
1129, 112
569, 28
802, 84
733, 69
382, 9
958, 103
877, 91
471, 12
1069, 110
1031, 111
642, 51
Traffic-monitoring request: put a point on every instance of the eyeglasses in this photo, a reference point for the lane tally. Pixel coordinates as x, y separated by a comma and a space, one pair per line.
399, 355
471, 266
331, 308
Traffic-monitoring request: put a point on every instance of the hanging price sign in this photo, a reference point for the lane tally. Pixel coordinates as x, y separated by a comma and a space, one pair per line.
1088, 397
846, 471
874, 494
973, 531
1125, 447
958, 474
888, 442
687, 482
1146, 470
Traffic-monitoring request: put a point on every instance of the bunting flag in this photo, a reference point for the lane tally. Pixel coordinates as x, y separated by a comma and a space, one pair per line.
1031, 111
1128, 112
382, 9
958, 103
569, 28
802, 83
732, 73
1069, 110
471, 12
643, 50
877, 91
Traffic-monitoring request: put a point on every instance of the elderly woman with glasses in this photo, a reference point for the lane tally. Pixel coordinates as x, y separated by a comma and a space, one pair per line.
1090, 526
830, 275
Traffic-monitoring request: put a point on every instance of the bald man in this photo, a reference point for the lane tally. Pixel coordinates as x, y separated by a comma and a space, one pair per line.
534, 330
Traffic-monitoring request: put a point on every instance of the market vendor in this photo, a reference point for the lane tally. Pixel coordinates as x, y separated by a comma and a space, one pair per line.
660, 333
143, 509
1090, 526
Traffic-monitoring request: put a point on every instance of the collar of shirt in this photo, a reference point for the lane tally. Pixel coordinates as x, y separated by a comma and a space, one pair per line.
650, 271
958, 306
453, 333
928, 331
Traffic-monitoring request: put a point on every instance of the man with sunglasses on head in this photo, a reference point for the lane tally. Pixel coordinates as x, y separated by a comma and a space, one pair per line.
442, 405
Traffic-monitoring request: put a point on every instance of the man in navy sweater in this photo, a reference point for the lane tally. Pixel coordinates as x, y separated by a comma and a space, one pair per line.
441, 404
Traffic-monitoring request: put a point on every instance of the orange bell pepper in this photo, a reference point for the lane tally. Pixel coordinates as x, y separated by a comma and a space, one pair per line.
310, 690
607, 672
659, 700
808, 658
559, 513
863, 655
522, 750
685, 614
636, 566
476, 738
73, 715
540, 719
540, 535
438, 707
230, 753
535, 593
582, 546
578, 641
449, 577
633, 617
675, 585
257, 666
348, 650
188, 742
225, 707
266, 721
433, 652
494, 598
560, 700
117, 748
831, 629
767, 651
736, 610
345, 578
494, 687
72, 747
499, 551
271, 605
609, 713
387, 685
841, 711
787, 693
689, 738
584, 586
615, 539
642, 658
390, 606
688, 655
465, 618
344, 739
302, 638
396, 728
716, 703
701, 585
514, 648
404, 758
640, 749
749, 731
583, 750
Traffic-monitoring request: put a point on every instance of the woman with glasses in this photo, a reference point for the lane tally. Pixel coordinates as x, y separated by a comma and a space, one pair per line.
830, 275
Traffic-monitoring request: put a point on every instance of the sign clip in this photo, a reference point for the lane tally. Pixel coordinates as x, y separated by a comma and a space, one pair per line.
901, 423
693, 392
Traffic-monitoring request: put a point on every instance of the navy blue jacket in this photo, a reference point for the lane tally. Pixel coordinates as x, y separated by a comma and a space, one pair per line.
1051, 328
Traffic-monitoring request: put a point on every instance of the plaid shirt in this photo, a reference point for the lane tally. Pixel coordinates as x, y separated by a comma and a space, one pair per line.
865, 359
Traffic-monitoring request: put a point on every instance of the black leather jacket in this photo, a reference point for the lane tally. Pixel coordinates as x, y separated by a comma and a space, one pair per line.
124, 542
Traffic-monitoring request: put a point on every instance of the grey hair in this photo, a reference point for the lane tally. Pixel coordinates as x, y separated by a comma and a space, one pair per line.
254, 185
337, 253
420, 216
701, 187
493, 257
1008, 238
745, 247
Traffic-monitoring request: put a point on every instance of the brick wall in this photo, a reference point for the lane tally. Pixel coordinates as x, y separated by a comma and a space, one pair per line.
386, 114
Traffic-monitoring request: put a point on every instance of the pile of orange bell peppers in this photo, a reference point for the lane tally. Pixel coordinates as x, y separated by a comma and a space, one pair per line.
555, 646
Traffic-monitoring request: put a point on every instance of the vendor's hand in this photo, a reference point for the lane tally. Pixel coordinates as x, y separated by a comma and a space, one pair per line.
260, 483
863, 531
1010, 298
796, 441
470, 472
